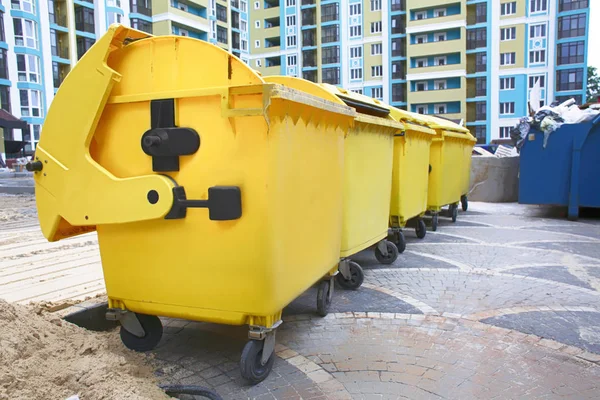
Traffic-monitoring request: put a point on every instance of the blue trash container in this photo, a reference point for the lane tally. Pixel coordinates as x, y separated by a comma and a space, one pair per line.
565, 173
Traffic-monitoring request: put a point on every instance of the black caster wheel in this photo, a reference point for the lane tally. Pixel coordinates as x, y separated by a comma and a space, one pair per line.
421, 229
454, 212
392, 253
464, 202
251, 367
357, 277
434, 222
400, 242
324, 298
153, 333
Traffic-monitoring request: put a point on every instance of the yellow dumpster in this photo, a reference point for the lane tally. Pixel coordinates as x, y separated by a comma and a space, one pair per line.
450, 160
216, 196
368, 157
410, 175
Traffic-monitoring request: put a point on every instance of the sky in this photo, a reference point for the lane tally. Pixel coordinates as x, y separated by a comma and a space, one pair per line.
594, 34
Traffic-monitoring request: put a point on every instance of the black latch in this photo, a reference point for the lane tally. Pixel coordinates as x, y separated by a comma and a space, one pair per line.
34, 166
224, 203
164, 141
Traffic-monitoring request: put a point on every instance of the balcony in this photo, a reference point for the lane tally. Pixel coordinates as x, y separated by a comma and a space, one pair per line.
141, 7
59, 73
439, 96
309, 17
431, 48
476, 63
309, 37
272, 42
235, 19
398, 5
308, 2
476, 14
309, 58
271, 4
476, 87
60, 51
477, 111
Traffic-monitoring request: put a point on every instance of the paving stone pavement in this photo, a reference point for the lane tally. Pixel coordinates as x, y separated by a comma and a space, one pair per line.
504, 304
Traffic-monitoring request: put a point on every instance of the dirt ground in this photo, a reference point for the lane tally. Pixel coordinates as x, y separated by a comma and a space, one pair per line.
17, 207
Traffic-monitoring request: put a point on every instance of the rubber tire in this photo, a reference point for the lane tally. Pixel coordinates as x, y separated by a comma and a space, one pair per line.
421, 229
464, 202
323, 301
250, 367
356, 280
434, 222
153, 328
454, 212
392, 254
400, 242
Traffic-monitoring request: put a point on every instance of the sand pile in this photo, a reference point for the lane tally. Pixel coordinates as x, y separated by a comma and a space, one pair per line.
44, 357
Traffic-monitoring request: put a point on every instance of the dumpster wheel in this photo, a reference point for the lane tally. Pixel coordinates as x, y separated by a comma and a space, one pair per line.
421, 229
454, 212
464, 202
324, 295
357, 276
434, 222
400, 241
251, 366
153, 331
390, 257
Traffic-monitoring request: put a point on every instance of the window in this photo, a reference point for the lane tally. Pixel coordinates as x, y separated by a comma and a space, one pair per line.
505, 132
222, 35
537, 31
290, 3
2, 34
329, 12
221, 13
398, 70
440, 108
420, 39
480, 13
5, 98
480, 111
376, 49
143, 7
569, 79
141, 25
330, 33
25, 33
480, 62
83, 45
507, 83
309, 58
257, 7
376, 27
571, 53
182, 7
536, 6
397, 24
355, 73
508, 34
31, 105
377, 93
290, 20
28, 68
397, 48
480, 86
375, 5
421, 86
355, 31
508, 8
309, 37
422, 110
481, 134
356, 9
398, 5
3, 64
537, 57
84, 19
291, 41
534, 79
439, 37
243, 8
440, 85
568, 5
356, 52
256, 44
257, 24
331, 75
420, 15
507, 58
440, 60
23, 5
571, 26
258, 63
243, 26
359, 91
113, 18
245, 45
377, 71
330, 55
421, 62
398, 92
440, 12
310, 75
507, 108
476, 38
292, 61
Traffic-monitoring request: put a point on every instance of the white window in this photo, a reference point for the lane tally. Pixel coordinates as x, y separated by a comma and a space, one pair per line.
213, 32
421, 86
439, 37
505, 132
243, 25
244, 45
256, 5
257, 24
182, 7
291, 20
507, 83
421, 62
31, 105
508, 8
291, 41
25, 33
183, 32
356, 73
23, 5
376, 49
359, 91
112, 18
290, 3
440, 60
537, 57
355, 9
376, 27
420, 39
508, 34
439, 12
256, 44
355, 31
422, 109
375, 5
507, 108
258, 63
537, 31
213, 8
244, 8
114, 3
292, 61
507, 59
534, 78
28, 68
377, 71
536, 6
421, 15
356, 52
377, 93
440, 108
440, 85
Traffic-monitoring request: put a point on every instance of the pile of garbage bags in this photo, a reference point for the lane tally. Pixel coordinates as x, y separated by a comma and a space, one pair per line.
549, 118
